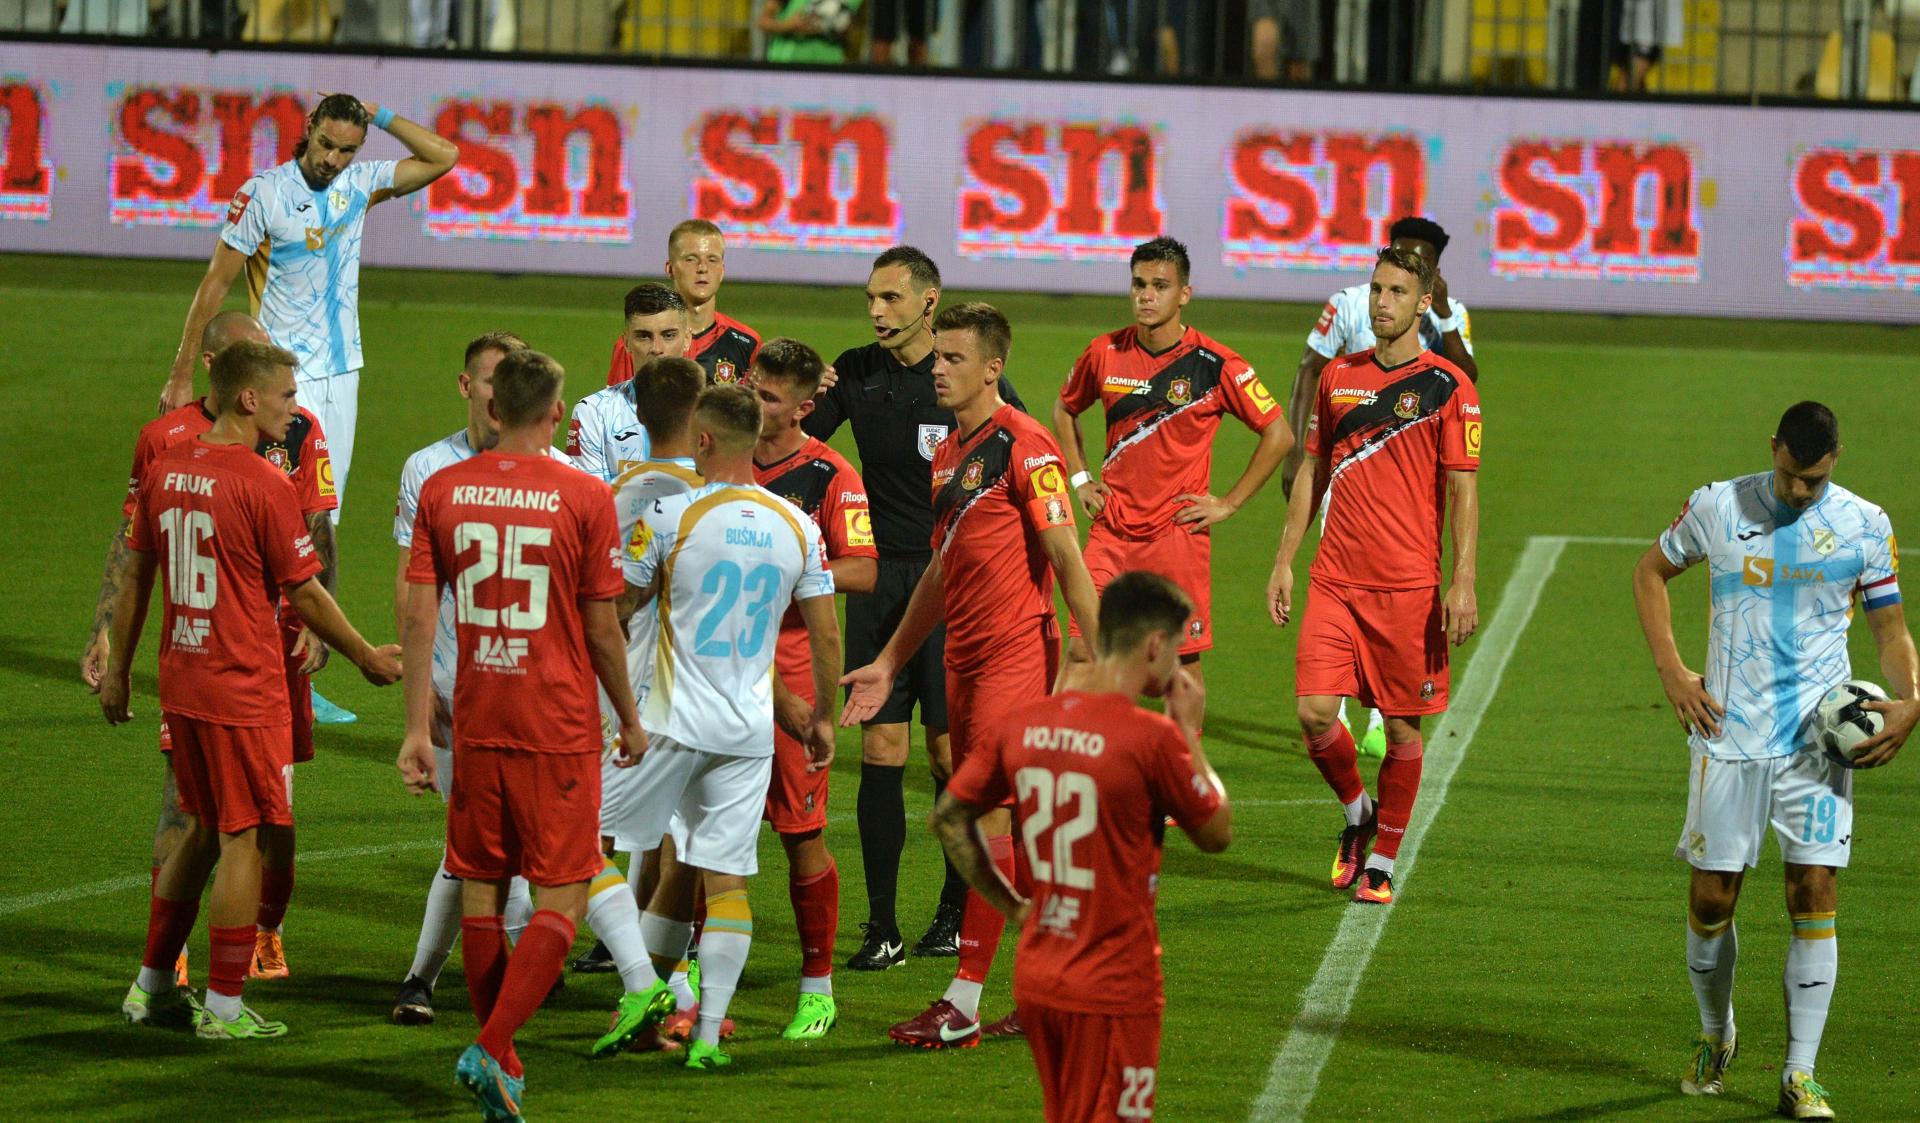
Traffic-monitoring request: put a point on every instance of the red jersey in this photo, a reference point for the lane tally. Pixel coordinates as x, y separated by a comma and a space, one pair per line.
1096, 777
820, 482
301, 454
522, 540
1390, 436
229, 534
725, 351
994, 490
1162, 412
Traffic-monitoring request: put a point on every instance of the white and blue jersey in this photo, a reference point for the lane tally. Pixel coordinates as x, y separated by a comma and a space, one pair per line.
1783, 584
1345, 326
418, 468
729, 558
303, 251
605, 437
636, 491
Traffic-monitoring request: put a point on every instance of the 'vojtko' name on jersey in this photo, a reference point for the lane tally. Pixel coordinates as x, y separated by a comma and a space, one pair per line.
1782, 585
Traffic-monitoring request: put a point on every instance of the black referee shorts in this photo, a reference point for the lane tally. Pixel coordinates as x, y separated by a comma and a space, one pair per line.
871, 620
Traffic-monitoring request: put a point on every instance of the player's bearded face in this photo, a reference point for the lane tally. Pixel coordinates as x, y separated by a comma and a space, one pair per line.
961, 370
331, 146
1797, 485
1395, 302
697, 266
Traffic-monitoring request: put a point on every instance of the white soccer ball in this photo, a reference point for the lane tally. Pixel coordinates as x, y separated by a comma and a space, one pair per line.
1840, 723
833, 16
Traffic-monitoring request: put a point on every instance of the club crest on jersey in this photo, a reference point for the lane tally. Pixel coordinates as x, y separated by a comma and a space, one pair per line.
1426, 690
337, 200
277, 456
1408, 407
1057, 511
970, 479
1195, 627
1180, 392
930, 438
1823, 542
724, 373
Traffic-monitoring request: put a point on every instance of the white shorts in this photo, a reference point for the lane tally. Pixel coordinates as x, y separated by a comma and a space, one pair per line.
336, 402
718, 800
1806, 798
442, 741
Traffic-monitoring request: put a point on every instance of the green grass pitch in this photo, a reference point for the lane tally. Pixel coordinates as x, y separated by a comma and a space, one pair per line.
1532, 968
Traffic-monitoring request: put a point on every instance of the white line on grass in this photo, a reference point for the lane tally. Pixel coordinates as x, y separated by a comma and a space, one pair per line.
9, 905
1295, 1072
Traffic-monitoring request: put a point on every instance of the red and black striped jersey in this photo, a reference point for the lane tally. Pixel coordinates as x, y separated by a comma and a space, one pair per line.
725, 351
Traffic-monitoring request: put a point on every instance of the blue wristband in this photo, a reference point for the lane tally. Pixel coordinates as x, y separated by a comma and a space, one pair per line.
384, 117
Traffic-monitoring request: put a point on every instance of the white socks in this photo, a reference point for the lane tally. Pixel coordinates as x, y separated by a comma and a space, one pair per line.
667, 941
965, 997
615, 919
1381, 863
1358, 810
439, 928
519, 908
1710, 964
1813, 962
723, 955
155, 980
821, 985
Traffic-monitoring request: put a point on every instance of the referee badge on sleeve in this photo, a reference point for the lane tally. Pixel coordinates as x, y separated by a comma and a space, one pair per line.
930, 438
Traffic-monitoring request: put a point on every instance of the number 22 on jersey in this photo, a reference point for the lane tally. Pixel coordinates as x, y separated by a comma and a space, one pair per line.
1051, 794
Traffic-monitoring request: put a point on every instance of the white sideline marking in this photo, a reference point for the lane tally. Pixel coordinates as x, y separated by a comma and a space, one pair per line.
1295, 1073
9, 905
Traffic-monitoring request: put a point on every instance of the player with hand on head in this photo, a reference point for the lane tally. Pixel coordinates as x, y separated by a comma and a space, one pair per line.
1392, 448
1164, 387
1346, 327
530, 548
723, 562
440, 926
222, 527
1787, 552
1096, 779
301, 452
605, 437
1003, 532
819, 481
295, 230
723, 346
886, 392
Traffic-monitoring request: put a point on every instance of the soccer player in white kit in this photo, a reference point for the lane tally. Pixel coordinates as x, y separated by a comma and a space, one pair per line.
723, 562
1787, 552
441, 924
605, 437
295, 229
1345, 326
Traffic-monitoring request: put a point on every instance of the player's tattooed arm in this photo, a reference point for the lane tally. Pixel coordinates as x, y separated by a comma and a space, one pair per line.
1306, 384
93, 661
129, 619
308, 649
1900, 666
957, 826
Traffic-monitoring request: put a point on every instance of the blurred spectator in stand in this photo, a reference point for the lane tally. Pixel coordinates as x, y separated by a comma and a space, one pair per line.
288, 21
1285, 31
563, 26
1647, 29
807, 30
920, 15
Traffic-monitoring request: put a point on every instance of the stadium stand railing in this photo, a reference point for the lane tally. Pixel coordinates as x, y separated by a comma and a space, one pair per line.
1757, 50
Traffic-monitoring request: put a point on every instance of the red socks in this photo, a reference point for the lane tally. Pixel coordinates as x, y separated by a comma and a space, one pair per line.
1334, 754
1399, 784
816, 913
169, 923
229, 958
276, 889
530, 973
981, 924
483, 957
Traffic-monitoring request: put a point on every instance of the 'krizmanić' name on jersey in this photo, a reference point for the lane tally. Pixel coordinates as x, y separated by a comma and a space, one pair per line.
730, 558
1783, 583
303, 248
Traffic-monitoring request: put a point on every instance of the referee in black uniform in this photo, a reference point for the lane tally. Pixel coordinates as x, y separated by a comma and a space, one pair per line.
885, 390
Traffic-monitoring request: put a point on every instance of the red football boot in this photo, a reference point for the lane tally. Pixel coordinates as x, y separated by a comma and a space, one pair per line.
941, 1026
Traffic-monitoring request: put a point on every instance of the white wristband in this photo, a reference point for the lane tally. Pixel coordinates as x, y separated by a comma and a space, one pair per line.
1451, 323
1079, 478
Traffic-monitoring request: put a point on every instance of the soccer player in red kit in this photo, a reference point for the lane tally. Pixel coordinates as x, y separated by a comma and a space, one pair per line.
1096, 779
1164, 387
531, 547
1393, 446
1003, 532
223, 527
723, 346
300, 452
819, 481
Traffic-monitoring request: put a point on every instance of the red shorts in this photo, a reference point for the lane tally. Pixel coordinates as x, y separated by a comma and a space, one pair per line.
232, 776
532, 814
796, 798
1094, 1066
1021, 670
1185, 559
1384, 647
